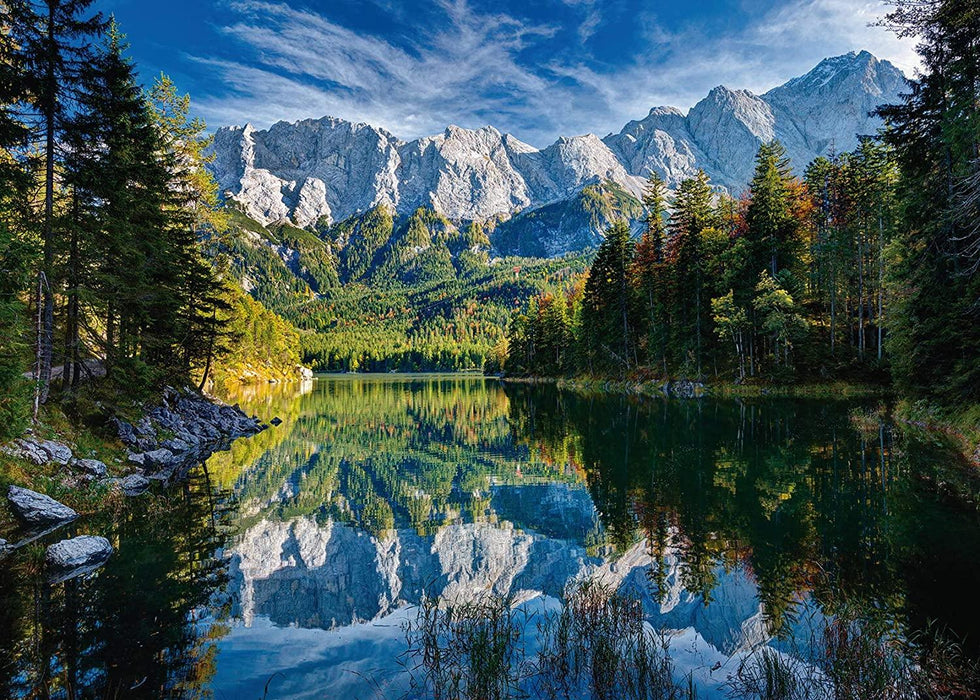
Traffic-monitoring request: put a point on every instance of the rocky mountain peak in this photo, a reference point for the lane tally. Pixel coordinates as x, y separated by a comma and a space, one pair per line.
330, 168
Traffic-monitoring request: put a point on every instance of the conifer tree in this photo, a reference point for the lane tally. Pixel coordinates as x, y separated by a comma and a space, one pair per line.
57, 47
648, 276
15, 255
608, 301
693, 214
935, 132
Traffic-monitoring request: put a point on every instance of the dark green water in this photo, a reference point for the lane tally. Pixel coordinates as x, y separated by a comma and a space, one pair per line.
293, 561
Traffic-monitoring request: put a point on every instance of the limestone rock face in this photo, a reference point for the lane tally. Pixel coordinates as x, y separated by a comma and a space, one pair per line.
37, 510
329, 169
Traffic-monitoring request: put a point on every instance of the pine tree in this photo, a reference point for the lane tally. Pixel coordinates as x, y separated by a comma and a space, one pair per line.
935, 326
648, 274
693, 214
771, 226
608, 302
56, 45
15, 255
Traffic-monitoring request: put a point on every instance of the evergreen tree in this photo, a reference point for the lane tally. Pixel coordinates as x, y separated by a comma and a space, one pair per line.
57, 47
771, 227
693, 214
15, 254
935, 132
608, 301
648, 275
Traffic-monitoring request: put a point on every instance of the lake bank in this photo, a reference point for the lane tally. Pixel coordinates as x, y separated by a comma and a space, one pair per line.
960, 425
806, 390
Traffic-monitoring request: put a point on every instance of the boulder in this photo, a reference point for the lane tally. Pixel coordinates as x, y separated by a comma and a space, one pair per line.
159, 459
176, 445
27, 450
56, 451
79, 555
276, 421
91, 467
685, 389
134, 484
137, 458
37, 510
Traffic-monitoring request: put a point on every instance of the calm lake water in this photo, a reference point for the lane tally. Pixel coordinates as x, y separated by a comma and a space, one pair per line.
288, 567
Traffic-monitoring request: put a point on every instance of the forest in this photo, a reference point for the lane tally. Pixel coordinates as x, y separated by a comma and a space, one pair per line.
104, 197
862, 267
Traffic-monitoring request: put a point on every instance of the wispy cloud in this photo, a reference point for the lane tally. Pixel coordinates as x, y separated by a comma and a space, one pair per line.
473, 67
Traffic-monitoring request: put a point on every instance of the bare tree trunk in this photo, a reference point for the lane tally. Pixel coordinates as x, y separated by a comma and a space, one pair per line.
46, 336
881, 282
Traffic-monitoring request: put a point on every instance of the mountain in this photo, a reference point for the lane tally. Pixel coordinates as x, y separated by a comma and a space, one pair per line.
323, 171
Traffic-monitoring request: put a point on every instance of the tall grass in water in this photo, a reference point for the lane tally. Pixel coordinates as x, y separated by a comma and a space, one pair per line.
468, 650
597, 646
854, 658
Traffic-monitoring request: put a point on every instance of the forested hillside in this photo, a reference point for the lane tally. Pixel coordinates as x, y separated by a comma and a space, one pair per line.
860, 266
378, 292
104, 196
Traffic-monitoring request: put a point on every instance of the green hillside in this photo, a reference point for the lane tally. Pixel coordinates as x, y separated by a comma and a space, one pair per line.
379, 292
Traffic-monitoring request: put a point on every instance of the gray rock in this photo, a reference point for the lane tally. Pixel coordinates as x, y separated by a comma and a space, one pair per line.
79, 555
159, 459
134, 484
92, 467
37, 510
39, 451
276, 421
137, 458
56, 451
330, 169
176, 445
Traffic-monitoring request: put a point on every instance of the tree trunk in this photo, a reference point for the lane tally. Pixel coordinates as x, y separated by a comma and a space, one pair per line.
46, 350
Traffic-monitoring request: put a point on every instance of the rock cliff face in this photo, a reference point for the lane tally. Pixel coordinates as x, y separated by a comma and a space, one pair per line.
328, 169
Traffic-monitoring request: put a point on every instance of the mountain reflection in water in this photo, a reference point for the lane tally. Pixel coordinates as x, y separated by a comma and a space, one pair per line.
735, 524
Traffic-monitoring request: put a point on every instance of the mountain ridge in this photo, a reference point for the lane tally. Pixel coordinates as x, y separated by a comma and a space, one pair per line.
322, 171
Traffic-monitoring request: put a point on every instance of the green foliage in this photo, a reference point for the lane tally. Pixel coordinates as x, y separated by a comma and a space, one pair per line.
429, 300
608, 330
789, 282
934, 332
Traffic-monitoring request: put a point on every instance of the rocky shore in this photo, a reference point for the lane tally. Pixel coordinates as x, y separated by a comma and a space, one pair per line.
183, 430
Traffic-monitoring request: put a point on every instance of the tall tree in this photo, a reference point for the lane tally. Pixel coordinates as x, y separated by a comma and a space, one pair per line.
57, 46
648, 275
608, 301
15, 256
693, 214
935, 132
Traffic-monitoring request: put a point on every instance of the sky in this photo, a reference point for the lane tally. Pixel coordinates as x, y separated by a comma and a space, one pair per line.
537, 69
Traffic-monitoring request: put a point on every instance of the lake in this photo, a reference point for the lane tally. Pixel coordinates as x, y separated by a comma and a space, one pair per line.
290, 566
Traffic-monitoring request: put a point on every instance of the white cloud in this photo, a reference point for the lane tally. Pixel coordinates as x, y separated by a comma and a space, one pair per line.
470, 70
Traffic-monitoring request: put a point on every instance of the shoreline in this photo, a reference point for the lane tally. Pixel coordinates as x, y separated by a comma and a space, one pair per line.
655, 389
961, 426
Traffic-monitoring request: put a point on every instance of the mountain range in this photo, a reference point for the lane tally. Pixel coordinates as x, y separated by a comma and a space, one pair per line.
317, 172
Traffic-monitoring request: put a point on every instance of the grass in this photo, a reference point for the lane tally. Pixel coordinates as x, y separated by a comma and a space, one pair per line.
599, 646
56, 480
853, 657
960, 425
596, 646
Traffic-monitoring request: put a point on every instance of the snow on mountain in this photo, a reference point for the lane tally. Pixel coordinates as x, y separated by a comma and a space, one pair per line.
329, 169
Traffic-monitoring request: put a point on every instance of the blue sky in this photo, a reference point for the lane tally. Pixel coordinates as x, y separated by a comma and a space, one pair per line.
534, 68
